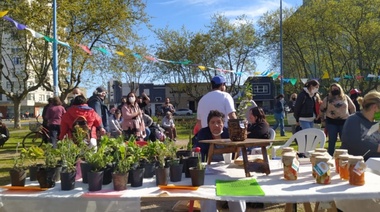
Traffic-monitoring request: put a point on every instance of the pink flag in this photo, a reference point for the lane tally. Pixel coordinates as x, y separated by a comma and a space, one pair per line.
85, 48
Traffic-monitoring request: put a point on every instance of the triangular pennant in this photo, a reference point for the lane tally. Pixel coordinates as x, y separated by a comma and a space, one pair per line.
325, 75
17, 25
102, 50
203, 68
150, 58
337, 79
64, 43
137, 55
347, 77
3, 13
359, 77
371, 76
35, 34
238, 73
286, 80
48, 39
85, 48
120, 53
275, 76
293, 81
304, 80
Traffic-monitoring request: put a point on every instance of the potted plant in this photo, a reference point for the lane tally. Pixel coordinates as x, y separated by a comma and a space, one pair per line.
33, 153
197, 173
46, 173
69, 153
162, 170
181, 153
136, 173
175, 167
149, 159
237, 128
122, 166
97, 162
18, 173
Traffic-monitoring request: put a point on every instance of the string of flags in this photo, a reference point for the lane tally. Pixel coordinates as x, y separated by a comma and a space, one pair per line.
19, 26
273, 74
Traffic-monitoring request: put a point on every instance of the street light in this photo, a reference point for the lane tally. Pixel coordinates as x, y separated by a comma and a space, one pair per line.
281, 54
55, 50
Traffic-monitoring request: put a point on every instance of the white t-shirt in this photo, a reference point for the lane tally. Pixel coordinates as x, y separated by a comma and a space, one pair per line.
215, 100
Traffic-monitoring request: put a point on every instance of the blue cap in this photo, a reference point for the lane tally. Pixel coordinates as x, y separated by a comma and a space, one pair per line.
218, 80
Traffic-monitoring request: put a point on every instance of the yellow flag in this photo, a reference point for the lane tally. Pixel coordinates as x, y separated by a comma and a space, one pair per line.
203, 68
3, 13
325, 75
120, 53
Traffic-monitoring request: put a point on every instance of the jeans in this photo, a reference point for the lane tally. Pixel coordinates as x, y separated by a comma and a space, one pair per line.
147, 132
306, 124
54, 131
332, 131
279, 122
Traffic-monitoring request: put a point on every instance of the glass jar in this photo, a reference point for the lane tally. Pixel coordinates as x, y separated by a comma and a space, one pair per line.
287, 149
290, 164
338, 152
312, 161
344, 167
357, 168
322, 169
323, 150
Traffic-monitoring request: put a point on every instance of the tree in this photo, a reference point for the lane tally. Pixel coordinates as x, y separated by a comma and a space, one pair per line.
89, 23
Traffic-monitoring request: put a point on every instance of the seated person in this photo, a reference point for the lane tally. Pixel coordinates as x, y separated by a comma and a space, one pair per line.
4, 134
215, 130
114, 124
148, 121
258, 126
169, 126
358, 141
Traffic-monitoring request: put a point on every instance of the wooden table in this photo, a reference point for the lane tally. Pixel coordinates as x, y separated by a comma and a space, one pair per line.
235, 146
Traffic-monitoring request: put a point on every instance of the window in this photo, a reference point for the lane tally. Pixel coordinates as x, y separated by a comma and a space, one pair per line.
41, 98
16, 60
261, 89
31, 97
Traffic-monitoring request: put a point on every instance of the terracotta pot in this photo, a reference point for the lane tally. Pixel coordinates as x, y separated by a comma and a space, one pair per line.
120, 181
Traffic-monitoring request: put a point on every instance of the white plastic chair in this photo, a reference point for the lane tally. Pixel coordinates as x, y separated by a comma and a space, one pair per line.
307, 140
272, 136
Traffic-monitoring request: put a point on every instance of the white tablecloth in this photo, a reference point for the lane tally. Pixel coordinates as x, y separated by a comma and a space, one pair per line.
276, 190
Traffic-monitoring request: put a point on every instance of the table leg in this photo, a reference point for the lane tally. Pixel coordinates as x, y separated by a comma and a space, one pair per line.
191, 205
245, 161
265, 155
210, 153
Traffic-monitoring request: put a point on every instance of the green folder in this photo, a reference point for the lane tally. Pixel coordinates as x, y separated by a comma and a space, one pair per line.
248, 187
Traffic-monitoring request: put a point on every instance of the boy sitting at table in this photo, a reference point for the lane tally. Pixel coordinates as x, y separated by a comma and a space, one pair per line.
215, 130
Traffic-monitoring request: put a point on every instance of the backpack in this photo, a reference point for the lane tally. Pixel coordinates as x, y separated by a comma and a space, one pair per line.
80, 130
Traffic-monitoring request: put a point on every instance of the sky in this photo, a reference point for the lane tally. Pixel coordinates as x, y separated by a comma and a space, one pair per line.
196, 14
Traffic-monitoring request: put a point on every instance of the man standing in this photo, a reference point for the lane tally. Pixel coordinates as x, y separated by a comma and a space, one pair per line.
96, 101
217, 99
167, 107
143, 102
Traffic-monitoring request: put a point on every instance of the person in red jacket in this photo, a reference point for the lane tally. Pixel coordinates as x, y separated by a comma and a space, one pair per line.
81, 109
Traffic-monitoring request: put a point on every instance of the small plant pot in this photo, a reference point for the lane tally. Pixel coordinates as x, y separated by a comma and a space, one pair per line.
67, 180
85, 168
237, 129
197, 176
162, 176
183, 153
136, 178
46, 177
58, 171
17, 177
190, 162
176, 172
95, 180
149, 169
120, 181
107, 176
33, 172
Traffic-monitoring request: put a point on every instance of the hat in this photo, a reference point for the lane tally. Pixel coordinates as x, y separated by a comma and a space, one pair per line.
218, 80
354, 91
100, 89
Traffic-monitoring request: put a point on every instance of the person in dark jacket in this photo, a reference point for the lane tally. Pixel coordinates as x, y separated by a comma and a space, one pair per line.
279, 113
258, 127
360, 134
4, 134
304, 110
354, 94
96, 101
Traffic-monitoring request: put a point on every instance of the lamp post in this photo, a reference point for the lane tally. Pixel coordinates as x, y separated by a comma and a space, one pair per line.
55, 50
281, 54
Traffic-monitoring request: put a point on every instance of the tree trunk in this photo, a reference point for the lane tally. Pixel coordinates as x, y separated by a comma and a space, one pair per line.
17, 107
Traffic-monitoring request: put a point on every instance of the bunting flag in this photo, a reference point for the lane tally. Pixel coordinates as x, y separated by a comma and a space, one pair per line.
85, 48
359, 77
17, 25
3, 13
304, 80
347, 77
371, 76
102, 50
337, 79
202, 68
293, 81
35, 34
325, 75
120, 53
275, 76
